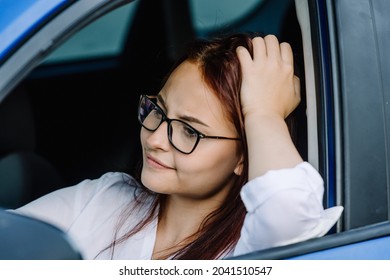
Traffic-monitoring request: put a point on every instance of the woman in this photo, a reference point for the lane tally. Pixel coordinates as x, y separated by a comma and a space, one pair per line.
217, 122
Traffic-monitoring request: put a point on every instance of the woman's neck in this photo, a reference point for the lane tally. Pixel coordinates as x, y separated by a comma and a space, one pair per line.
180, 222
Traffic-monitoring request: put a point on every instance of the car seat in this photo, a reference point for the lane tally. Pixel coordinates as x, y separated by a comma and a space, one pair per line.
24, 175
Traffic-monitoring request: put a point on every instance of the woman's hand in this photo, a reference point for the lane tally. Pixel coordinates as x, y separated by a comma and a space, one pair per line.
269, 86
269, 93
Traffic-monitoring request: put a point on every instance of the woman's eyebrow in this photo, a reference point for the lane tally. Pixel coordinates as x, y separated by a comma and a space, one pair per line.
161, 101
182, 117
192, 119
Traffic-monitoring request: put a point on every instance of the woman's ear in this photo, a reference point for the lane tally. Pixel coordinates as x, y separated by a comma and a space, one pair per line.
239, 166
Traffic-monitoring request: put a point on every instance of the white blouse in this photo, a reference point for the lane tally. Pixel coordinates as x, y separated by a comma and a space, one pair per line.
283, 207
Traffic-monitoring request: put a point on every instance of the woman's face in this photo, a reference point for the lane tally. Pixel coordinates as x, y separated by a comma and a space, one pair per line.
208, 171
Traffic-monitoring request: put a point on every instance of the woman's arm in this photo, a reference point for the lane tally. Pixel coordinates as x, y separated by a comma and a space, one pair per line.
284, 207
62, 207
269, 93
284, 194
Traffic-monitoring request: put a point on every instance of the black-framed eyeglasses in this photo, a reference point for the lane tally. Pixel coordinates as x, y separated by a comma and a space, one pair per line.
181, 135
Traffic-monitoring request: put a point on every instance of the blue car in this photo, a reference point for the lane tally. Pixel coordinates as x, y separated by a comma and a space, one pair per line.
71, 73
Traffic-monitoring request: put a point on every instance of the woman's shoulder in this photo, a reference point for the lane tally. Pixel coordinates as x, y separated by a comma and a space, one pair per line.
111, 186
110, 180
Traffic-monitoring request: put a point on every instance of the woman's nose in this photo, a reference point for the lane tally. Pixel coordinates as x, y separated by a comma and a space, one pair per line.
158, 139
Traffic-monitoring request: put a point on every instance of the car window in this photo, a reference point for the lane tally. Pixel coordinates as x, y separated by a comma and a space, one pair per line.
217, 14
102, 38
207, 16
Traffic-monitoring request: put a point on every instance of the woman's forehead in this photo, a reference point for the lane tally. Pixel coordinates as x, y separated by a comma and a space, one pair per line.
185, 83
187, 93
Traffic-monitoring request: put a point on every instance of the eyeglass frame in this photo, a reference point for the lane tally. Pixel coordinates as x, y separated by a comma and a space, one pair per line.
164, 118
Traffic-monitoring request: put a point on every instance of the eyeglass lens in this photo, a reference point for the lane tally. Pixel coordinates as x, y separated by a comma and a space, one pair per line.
181, 135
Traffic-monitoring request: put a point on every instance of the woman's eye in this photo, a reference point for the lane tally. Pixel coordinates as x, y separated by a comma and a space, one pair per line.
188, 132
155, 113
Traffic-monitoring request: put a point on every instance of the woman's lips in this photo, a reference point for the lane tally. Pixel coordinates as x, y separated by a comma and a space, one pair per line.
153, 162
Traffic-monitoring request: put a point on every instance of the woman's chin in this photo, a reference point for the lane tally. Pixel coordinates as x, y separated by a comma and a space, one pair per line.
154, 183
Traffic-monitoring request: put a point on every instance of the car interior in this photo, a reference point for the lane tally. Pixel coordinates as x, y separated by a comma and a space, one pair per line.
74, 116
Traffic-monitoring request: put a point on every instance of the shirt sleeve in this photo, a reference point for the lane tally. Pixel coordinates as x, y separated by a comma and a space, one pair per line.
284, 207
62, 207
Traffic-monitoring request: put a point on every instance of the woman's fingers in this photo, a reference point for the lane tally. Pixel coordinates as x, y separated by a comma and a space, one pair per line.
272, 47
244, 57
259, 49
286, 53
269, 47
